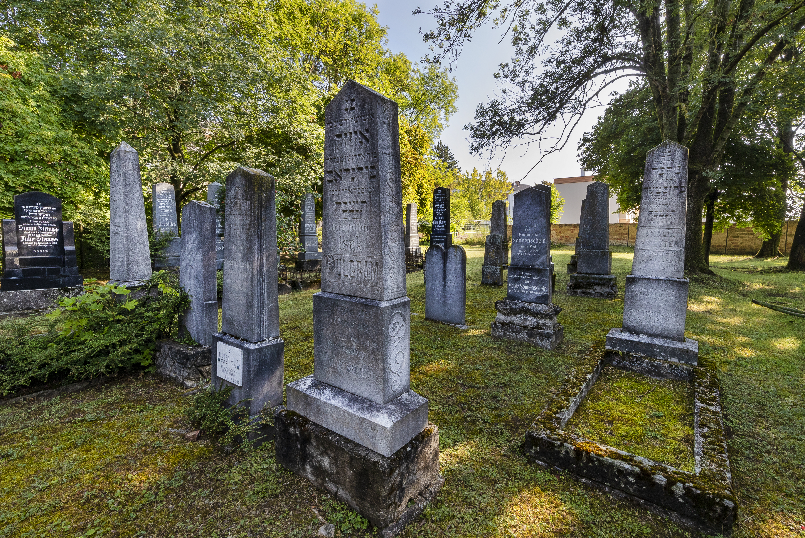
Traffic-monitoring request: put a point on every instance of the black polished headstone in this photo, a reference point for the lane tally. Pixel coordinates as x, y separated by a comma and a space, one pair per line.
440, 229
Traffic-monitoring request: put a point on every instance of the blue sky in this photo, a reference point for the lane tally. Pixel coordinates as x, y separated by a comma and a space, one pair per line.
473, 72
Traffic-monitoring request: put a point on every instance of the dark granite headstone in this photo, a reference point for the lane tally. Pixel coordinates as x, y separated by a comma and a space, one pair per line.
527, 313
248, 353
440, 228
446, 285
498, 225
214, 200
494, 257
129, 254
360, 388
656, 294
309, 258
412, 230
38, 247
165, 224
197, 271
593, 260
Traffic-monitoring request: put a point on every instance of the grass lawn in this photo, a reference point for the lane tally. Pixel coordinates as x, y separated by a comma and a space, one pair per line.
114, 460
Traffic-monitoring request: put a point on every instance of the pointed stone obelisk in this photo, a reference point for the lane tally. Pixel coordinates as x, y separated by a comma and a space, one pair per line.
129, 255
655, 300
355, 427
249, 353
197, 271
592, 275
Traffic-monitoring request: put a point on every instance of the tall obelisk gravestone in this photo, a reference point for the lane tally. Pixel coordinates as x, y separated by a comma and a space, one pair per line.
129, 255
309, 258
528, 313
248, 353
440, 227
213, 199
656, 294
355, 427
166, 224
197, 271
593, 265
496, 249
412, 231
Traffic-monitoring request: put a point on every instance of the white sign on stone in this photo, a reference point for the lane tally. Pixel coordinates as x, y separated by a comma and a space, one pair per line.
230, 364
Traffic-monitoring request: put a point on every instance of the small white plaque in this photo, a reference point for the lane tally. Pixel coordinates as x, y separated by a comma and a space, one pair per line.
230, 364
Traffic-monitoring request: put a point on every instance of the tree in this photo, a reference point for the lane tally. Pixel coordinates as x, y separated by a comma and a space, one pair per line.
557, 203
476, 191
444, 154
703, 62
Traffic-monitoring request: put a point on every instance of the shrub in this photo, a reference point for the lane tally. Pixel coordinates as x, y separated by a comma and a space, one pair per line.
227, 427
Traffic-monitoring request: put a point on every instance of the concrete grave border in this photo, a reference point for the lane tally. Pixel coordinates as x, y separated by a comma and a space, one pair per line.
703, 498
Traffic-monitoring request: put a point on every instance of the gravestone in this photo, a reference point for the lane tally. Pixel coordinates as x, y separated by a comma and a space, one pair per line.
38, 247
309, 258
446, 285
656, 294
214, 200
498, 226
528, 313
494, 259
412, 231
440, 229
248, 353
592, 275
166, 225
129, 255
573, 266
357, 416
197, 271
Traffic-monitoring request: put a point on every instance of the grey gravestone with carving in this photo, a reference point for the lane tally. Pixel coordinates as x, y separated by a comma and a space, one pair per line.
440, 227
166, 225
446, 285
197, 271
498, 225
656, 294
357, 412
129, 255
214, 200
38, 247
593, 265
412, 231
528, 313
248, 353
494, 256
309, 258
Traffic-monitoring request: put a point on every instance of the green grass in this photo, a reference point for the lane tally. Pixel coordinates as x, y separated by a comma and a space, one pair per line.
113, 461
648, 417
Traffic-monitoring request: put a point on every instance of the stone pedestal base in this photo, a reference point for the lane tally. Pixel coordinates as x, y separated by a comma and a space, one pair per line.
253, 370
383, 428
187, 365
389, 491
528, 322
27, 300
594, 262
491, 275
664, 349
600, 286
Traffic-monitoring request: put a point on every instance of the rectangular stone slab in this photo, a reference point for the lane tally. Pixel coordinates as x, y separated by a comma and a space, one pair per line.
663, 349
594, 262
655, 306
446, 284
383, 428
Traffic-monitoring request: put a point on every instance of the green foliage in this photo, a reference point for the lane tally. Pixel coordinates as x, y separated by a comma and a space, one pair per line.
474, 192
343, 517
557, 203
100, 332
227, 427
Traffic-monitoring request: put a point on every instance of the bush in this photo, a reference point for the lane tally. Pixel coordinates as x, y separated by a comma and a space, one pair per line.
101, 332
227, 427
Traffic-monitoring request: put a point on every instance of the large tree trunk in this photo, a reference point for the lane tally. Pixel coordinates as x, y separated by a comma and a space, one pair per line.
770, 247
710, 205
796, 260
694, 253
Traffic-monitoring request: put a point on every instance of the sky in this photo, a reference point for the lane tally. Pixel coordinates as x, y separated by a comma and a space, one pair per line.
473, 72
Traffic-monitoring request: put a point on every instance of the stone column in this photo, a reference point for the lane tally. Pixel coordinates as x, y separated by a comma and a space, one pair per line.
212, 199
656, 295
197, 271
440, 227
593, 268
412, 231
446, 285
528, 313
165, 223
248, 353
309, 258
129, 255
356, 413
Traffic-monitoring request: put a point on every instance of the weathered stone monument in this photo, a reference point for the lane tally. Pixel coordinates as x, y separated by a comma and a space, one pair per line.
309, 258
38, 247
213, 199
440, 228
165, 225
498, 225
656, 294
412, 231
129, 256
593, 260
446, 284
494, 260
355, 427
528, 313
248, 353
197, 271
